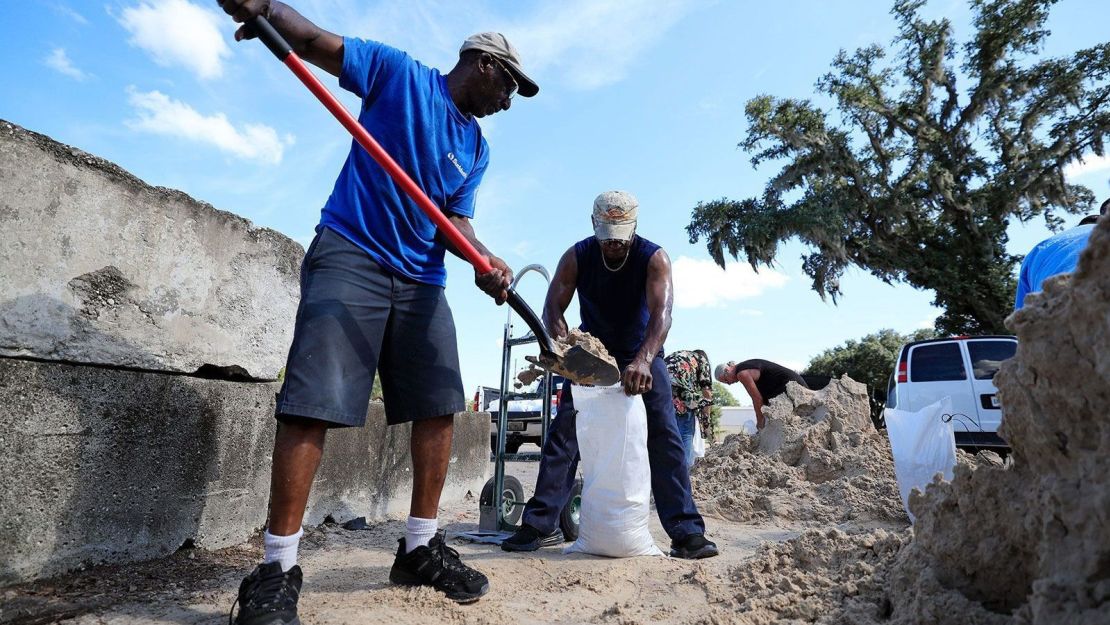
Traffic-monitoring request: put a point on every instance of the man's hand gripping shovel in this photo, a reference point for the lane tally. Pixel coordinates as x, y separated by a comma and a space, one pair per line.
575, 362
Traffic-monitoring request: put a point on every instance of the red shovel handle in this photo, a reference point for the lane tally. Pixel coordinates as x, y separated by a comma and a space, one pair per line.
284, 52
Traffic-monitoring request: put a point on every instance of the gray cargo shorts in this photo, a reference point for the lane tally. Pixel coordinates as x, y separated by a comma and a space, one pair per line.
356, 318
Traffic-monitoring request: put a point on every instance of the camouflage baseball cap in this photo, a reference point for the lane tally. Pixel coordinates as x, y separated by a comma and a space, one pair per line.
615, 215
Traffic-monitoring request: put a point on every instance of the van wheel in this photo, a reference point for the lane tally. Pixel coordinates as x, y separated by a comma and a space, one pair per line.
512, 498
570, 516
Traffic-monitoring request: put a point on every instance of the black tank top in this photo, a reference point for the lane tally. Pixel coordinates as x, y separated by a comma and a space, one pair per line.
613, 304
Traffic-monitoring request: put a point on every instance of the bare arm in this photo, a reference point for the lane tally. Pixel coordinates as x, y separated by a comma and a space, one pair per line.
495, 283
660, 297
312, 43
560, 293
748, 377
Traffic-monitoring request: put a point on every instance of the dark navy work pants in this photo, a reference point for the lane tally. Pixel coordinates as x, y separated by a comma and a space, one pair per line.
670, 478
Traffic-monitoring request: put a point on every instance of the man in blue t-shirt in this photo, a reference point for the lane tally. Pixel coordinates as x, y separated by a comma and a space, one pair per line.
1054, 256
372, 292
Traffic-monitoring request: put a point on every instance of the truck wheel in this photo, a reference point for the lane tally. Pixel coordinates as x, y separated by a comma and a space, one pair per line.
569, 517
512, 498
513, 446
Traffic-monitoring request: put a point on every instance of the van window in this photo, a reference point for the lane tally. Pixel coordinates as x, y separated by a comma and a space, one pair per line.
936, 363
986, 356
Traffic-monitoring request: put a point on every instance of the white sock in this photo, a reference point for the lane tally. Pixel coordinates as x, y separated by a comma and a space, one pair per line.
281, 549
419, 532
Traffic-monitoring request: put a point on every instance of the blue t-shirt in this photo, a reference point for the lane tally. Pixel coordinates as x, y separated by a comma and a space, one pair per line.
1053, 256
406, 107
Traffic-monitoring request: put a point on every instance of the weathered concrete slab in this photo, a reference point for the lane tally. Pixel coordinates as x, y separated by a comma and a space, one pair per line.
98, 267
102, 465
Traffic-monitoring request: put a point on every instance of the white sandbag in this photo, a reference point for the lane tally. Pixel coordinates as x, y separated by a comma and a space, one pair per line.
699, 442
923, 445
616, 477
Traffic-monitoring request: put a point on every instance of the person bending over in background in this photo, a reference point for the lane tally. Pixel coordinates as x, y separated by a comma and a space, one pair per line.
762, 379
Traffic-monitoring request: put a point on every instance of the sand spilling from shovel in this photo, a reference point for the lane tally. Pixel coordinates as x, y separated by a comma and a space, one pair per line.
575, 339
818, 460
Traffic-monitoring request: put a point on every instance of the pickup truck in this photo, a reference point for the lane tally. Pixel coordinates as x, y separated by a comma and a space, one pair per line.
525, 412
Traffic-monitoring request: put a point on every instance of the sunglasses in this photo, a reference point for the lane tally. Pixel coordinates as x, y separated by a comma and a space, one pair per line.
512, 79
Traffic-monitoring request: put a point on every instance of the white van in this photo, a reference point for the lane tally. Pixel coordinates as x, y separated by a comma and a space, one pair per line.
962, 368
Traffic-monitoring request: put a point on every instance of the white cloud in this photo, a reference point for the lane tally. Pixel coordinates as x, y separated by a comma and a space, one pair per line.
593, 42
64, 10
1091, 164
585, 44
179, 33
159, 114
59, 61
702, 284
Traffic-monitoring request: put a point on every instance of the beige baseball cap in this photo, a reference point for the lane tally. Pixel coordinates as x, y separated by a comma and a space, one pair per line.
497, 45
615, 215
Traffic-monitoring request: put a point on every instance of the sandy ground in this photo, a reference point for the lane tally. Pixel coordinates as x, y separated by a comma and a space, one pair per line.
346, 581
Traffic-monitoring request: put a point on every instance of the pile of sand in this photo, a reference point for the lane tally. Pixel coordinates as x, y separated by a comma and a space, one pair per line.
1030, 542
1017, 542
818, 460
823, 576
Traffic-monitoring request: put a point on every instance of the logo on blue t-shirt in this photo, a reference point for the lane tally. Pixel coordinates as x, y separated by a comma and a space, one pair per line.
455, 162
407, 108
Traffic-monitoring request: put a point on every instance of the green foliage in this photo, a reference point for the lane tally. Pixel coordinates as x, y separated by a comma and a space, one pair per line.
869, 360
721, 397
916, 179
376, 390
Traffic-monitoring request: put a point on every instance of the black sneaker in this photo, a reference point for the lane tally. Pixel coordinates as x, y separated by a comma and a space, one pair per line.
693, 547
268, 596
438, 566
528, 538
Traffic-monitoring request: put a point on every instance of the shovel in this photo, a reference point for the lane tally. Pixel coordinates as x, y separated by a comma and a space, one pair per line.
577, 363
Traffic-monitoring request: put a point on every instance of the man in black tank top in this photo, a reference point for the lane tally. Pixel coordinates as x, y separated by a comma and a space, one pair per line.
762, 379
624, 291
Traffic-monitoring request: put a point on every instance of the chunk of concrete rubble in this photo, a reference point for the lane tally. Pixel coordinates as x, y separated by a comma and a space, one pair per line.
819, 459
101, 268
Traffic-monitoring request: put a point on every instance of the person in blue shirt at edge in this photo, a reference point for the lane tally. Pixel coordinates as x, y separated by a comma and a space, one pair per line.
624, 295
372, 292
1055, 255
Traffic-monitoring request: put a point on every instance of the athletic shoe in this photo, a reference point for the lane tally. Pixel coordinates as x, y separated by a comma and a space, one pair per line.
268, 596
693, 547
438, 566
528, 538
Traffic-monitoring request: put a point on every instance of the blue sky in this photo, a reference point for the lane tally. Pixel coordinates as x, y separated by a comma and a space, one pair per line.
641, 95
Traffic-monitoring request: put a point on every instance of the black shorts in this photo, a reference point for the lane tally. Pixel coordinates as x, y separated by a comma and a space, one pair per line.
356, 318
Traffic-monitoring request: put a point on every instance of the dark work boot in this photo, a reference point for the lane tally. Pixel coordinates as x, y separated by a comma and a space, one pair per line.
528, 538
693, 547
268, 596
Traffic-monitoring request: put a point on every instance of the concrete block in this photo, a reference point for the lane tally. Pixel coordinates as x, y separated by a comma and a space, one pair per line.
98, 267
102, 465
368, 471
